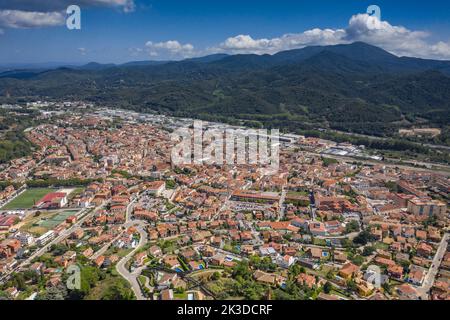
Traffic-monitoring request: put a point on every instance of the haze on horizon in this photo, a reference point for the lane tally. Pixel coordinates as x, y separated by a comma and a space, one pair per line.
119, 31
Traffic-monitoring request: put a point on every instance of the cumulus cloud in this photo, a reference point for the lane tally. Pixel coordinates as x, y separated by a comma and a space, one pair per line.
60, 5
49, 13
82, 51
246, 44
30, 19
171, 47
441, 49
396, 39
361, 27
135, 52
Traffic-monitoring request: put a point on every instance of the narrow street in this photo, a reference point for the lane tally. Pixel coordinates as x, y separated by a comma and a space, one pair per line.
121, 265
281, 204
434, 269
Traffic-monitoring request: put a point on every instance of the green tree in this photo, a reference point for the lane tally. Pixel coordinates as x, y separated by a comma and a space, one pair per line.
367, 251
118, 291
352, 226
54, 293
363, 238
327, 287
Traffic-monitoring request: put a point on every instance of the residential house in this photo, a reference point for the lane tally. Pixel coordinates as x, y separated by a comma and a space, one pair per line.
348, 270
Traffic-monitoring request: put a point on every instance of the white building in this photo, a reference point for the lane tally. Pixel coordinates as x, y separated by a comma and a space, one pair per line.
46, 238
25, 239
285, 261
156, 188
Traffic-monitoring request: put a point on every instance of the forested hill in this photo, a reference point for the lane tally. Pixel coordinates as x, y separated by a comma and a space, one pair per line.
355, 87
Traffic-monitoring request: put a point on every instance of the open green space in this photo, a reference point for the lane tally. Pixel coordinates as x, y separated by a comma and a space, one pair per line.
27, 199
56, 219
298, 194
40, 223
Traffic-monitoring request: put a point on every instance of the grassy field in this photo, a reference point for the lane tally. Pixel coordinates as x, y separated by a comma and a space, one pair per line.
119, 252
32, 225
381, 245
76, 192
103, 286
56, 219
27, 199
297, 194
47, 220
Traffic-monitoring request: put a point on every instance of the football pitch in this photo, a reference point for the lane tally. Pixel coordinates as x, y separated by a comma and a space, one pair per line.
27, 199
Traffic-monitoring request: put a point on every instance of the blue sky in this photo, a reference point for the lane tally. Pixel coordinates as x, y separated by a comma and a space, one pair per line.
125, 30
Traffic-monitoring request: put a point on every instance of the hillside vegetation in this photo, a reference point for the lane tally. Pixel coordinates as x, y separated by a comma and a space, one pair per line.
355, 88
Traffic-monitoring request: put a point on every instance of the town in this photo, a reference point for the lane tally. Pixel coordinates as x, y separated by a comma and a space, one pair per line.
101, 192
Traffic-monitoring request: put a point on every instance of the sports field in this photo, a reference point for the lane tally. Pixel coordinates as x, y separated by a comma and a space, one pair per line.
27, 199
45, 221
56, 219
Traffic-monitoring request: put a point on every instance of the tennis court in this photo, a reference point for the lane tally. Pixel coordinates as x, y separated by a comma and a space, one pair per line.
56, 219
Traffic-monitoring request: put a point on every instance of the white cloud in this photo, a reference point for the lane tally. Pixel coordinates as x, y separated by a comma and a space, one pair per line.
49, 13
362, 27
82, 51
130, 6
246, 44
30, 19
135, 52
171, 47
127, 5
441, 49
60, 5
396, 39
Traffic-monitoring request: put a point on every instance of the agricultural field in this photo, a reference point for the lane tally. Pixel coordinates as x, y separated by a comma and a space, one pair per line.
27, 199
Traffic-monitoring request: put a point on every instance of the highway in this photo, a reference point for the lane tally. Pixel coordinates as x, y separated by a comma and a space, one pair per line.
440, 168
433, 146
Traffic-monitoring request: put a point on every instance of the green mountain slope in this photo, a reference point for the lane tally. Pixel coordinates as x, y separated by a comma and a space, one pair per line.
356, 87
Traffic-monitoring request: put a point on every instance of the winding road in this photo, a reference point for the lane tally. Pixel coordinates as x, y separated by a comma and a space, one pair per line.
131, 277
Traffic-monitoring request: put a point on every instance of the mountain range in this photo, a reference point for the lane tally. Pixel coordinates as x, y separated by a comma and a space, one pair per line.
355, 87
